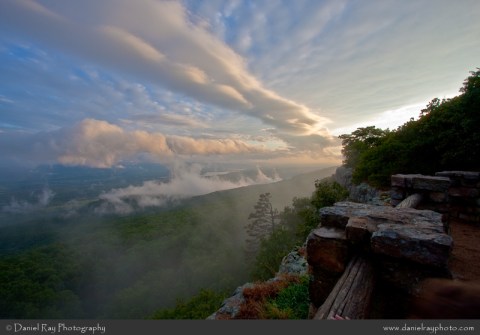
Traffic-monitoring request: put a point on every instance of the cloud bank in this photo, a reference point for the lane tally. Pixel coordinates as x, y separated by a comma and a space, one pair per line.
101, 144
187, 182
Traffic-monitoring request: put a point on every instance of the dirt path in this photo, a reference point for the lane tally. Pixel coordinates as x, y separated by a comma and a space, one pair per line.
464, 262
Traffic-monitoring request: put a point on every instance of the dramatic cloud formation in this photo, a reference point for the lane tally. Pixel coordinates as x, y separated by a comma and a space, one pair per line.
187, 182
272, 81
157, 42
100, 144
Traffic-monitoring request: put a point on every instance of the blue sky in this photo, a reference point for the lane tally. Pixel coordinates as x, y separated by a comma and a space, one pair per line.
98, 83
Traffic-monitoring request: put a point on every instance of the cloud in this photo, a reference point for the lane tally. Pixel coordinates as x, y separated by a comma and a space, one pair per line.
158, 42
149, 120
187, 181
101, 144
43, 198
353, 60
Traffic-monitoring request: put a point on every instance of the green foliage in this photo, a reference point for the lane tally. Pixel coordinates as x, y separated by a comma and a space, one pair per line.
262, 223
445, 137
126, 267
291, 303
272, 250
296, 222
200, 306
360, 141
300, 218
40, 283
327, 192
120, 267
472, 83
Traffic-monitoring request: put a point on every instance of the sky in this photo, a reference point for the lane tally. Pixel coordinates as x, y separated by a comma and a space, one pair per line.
267, 83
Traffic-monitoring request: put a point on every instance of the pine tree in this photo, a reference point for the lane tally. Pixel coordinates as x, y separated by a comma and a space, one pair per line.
262, 223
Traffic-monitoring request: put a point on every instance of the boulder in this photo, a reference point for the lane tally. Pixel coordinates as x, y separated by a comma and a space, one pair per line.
327, 249
418, 243
406, 233
359, 230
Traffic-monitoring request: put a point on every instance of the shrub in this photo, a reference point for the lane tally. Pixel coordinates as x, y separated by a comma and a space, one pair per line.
286, 298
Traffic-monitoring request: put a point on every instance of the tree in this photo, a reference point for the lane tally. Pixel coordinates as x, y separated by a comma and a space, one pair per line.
472, 82
299, 218
359, 141
327, 192
445, 137
262, 222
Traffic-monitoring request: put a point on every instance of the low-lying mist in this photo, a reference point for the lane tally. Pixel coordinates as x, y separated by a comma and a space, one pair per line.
185, 182
144, 255
41, 199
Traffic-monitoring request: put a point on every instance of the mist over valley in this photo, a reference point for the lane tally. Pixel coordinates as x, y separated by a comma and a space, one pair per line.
126, 242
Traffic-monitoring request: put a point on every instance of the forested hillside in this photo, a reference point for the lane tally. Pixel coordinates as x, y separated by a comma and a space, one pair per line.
112, 266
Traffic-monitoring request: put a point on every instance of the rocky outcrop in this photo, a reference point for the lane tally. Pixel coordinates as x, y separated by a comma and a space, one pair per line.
456, 194
231, 306
294, 264
463, 195
415, 239
361, 193
401, 245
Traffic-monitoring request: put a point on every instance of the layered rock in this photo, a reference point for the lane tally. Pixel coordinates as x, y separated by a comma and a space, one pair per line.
453, 193
463, 195
406, 237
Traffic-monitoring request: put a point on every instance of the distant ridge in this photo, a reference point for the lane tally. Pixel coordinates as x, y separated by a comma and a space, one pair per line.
241, 200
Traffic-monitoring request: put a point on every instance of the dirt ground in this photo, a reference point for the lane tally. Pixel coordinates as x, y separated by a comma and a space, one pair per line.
464, 262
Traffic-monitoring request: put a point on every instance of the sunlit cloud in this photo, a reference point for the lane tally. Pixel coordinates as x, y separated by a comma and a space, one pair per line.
236, 81
158, 43
101, 144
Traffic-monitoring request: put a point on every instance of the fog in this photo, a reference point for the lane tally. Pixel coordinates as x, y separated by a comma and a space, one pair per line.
141, 254
186, 181
41, 199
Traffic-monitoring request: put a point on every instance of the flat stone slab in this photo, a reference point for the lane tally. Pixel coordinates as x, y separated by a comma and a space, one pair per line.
421, 182
417, 243
337, 216
405, 233
471, 175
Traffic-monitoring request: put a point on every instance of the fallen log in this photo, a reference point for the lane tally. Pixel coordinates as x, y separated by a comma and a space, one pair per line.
352, 294
411, 201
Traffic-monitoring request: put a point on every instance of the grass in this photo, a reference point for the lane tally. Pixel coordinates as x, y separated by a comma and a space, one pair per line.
286, 298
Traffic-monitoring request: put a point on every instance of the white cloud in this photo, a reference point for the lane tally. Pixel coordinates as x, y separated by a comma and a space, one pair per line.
228, 76
356, 60
101, 144
156, 41
187, 182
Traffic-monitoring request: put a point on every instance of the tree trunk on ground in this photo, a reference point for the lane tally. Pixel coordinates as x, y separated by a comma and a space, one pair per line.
352, 295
